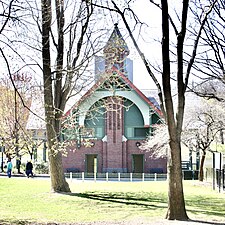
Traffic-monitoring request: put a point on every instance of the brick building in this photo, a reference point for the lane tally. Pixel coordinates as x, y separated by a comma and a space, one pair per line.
106, 127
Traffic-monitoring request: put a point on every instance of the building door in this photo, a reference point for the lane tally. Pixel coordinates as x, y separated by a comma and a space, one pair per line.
91, 163
138, 163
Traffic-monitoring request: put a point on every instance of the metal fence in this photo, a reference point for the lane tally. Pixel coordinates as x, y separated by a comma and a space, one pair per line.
218, 180
116, 176
215, 176
187, 175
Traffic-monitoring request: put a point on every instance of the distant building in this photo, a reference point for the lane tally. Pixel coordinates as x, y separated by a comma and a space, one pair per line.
105, 128
36, 127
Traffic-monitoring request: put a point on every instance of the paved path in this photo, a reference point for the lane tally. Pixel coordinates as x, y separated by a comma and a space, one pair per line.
153, 222
133, 222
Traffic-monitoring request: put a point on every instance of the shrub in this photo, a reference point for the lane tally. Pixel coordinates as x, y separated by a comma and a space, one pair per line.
41, 167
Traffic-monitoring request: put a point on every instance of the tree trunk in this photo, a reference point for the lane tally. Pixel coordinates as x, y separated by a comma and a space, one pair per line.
201, 170
58, 181
176, 205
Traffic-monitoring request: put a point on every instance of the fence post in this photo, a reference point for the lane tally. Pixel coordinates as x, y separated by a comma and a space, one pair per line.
220, 179
131, 177
155, 179
95, 176
205, 174
118, 176
213, 177
143, 177
71, 176
82, 175
223, 179
107, 176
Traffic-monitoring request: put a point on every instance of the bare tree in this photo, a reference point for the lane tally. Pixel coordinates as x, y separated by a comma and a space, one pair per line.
11, 21
13, 113
174, 118
209, 67
67, 47
15, 101
59, 79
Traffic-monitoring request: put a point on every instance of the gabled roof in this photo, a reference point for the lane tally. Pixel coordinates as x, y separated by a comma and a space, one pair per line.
147, 100
101, 81
115, 44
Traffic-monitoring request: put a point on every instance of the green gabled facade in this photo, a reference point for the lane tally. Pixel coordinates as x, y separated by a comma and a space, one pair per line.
107, 125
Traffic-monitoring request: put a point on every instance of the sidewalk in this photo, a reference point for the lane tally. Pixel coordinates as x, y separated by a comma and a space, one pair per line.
23, 175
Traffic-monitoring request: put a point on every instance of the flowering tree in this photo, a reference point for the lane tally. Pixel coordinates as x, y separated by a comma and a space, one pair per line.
157, 142
203, 127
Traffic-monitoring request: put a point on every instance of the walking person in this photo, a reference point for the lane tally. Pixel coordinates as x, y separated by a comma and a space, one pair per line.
9, 168
29, 168
18, 164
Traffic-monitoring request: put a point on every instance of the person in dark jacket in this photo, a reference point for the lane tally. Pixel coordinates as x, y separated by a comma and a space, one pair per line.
29, 169
18, 164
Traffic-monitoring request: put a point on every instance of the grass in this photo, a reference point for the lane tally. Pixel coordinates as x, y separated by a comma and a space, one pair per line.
31, 200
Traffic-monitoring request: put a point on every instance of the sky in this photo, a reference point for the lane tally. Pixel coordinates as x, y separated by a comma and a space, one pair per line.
148, 39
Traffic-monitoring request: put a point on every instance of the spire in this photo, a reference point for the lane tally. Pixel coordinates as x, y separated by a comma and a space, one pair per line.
115, 57
116, 43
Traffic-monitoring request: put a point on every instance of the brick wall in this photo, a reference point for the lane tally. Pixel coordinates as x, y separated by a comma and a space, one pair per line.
120, 159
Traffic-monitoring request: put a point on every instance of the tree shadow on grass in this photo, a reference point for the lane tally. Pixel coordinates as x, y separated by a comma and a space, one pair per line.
121, 198
207, 206
155, 201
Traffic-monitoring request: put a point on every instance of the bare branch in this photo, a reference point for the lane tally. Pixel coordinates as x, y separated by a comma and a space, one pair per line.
191, 62
142, 57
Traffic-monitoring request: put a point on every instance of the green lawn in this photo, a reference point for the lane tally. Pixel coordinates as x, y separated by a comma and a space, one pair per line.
31, 200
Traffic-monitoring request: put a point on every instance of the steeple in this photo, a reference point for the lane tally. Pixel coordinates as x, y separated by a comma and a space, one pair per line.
116, 42
116, 50
115, 56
